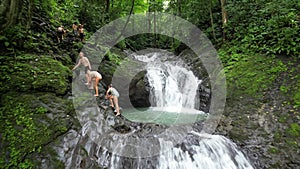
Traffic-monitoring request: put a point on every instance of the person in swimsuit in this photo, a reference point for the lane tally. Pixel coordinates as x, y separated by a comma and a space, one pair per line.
112, 94
81, 32
60, 33
85, 61
75, 29
95, 77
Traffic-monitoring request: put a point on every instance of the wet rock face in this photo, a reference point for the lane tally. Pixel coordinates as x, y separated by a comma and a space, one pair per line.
257, 128
204, 96
75, 149
139, 91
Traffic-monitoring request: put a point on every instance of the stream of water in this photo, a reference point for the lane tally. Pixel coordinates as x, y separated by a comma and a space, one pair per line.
211, 152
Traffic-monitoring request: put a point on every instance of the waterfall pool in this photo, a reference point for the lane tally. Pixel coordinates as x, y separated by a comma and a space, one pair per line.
167, 116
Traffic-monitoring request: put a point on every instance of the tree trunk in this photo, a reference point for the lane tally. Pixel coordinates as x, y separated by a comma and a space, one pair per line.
125, 26
212, 20
149, 14
179, 8
224, 18
154, 27
133, 23
29, 15
9, 13
107, 6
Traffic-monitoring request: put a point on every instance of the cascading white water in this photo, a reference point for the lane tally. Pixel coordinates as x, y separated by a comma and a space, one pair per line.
173, 87
213, 152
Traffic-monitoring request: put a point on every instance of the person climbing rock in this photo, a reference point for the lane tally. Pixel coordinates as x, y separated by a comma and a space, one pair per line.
60, 33
95, 78
113, 95
81, 32
85, 61
75, 29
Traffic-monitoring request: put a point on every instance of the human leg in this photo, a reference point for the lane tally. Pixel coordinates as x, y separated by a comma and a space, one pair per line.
97, 80
87, 77
116, 103
59, 36
88, 80
58, 39
81, 36
110, 98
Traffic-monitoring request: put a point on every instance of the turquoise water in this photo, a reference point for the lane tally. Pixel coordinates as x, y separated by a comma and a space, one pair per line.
161, 116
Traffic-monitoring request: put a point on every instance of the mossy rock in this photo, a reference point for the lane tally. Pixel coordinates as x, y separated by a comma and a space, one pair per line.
33, 73
251, 75
29, 122
238, 135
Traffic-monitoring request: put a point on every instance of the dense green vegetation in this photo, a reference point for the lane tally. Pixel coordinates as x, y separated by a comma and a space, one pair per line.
258, 42
27, 126
29, 84
25, 73
268, 27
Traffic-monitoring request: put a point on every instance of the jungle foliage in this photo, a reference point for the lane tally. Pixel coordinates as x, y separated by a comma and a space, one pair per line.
269, 27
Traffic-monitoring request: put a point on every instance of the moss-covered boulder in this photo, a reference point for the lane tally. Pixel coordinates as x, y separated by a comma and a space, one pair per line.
33, 73
29, 122
33, 112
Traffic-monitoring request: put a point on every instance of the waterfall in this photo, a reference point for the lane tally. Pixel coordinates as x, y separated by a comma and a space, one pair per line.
211, 152
173, 87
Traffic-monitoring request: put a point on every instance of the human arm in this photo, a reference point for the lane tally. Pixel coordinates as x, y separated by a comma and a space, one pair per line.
108, 90
79, 62
90, 67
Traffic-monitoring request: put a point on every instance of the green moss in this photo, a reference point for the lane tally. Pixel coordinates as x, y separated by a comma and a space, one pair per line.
291, 84
294, 130
296, 96
250, 75
26, 128
238, 135
277, 136
31, 72
283, 118
273, 150
292, 143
